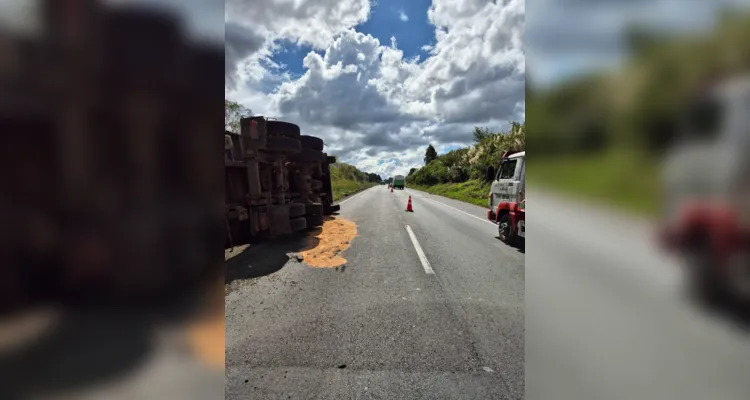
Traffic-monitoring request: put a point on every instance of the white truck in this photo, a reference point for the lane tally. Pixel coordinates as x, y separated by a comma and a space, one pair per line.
706, 196
507, 203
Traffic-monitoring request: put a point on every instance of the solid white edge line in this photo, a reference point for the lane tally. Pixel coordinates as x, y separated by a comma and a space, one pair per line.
345, 200
422, 258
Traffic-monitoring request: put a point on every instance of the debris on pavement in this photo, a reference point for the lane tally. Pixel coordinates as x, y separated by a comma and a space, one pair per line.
295, 257
325, 245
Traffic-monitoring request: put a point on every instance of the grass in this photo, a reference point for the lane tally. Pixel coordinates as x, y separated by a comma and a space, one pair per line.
346, 180
345, 187
473, 191
623, 179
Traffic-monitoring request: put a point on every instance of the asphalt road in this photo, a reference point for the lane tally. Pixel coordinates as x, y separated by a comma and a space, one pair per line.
606, 317
388, 326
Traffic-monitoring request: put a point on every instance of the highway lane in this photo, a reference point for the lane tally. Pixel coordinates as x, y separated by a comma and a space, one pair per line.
385, 327
605, 311
605, 315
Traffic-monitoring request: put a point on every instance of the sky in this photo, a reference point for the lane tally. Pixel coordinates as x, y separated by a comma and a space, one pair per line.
566, 38
379, 81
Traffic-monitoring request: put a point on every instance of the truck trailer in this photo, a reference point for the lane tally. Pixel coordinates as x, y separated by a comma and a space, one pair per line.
398, 182
277, 181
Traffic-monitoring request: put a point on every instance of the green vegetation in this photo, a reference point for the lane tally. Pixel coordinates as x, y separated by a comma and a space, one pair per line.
602, 136
233, 112
347, 179
460, 173
473, 191
631, 183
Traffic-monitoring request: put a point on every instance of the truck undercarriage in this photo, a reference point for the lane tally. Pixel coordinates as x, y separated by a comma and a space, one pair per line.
277, 181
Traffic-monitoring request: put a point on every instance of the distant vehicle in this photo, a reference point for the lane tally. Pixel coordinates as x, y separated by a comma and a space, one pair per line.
706, 192
398, 182
506, 198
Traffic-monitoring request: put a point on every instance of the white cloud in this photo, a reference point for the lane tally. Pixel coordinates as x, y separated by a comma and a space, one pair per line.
368, 101
402, 15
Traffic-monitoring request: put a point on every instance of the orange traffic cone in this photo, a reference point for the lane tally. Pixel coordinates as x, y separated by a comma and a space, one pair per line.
408, 205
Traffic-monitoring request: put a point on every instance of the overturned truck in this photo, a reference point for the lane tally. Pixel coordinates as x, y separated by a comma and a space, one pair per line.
277, 181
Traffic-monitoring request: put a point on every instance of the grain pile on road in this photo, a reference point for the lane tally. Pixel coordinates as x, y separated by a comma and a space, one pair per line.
325, 245
206, 334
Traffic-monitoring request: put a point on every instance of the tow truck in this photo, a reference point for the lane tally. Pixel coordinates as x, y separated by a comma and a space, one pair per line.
507, 204
705, 217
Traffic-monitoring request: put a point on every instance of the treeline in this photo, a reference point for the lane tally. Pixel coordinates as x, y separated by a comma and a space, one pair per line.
469, 163
343, 171
347, 179
639, 106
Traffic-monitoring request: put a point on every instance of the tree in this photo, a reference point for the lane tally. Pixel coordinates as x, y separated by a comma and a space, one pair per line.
233, 113
373, 177
481, 134
412, 171
429, 155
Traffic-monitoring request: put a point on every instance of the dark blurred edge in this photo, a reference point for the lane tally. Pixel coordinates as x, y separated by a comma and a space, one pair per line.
112, 180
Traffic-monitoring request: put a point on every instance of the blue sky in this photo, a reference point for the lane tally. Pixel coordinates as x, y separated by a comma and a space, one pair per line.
405, 20
330, 66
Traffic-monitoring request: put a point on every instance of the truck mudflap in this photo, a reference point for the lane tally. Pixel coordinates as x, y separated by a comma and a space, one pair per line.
329, 209
491, 216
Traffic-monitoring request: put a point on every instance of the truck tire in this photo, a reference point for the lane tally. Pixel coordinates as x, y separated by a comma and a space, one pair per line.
308, 156
314, 221
505, 230
296, 210
282, 129
313, 209
298, 224
311, 142
329, 209
283, 145
704, 286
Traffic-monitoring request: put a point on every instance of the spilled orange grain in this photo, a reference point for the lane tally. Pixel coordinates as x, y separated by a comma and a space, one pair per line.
206, 334
325, 245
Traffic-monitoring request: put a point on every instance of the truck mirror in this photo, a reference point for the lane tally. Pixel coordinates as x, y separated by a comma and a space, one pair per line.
490, 175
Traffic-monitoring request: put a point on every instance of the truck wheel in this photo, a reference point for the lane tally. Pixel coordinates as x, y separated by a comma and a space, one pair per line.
311, 142
313, 209
314, 221
297, 210
298, 224
308, 155
283, 145
703, 284
505, 230
283, 129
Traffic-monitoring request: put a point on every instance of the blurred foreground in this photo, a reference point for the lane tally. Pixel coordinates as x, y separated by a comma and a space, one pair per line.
647, 156
607, 316
111, 268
